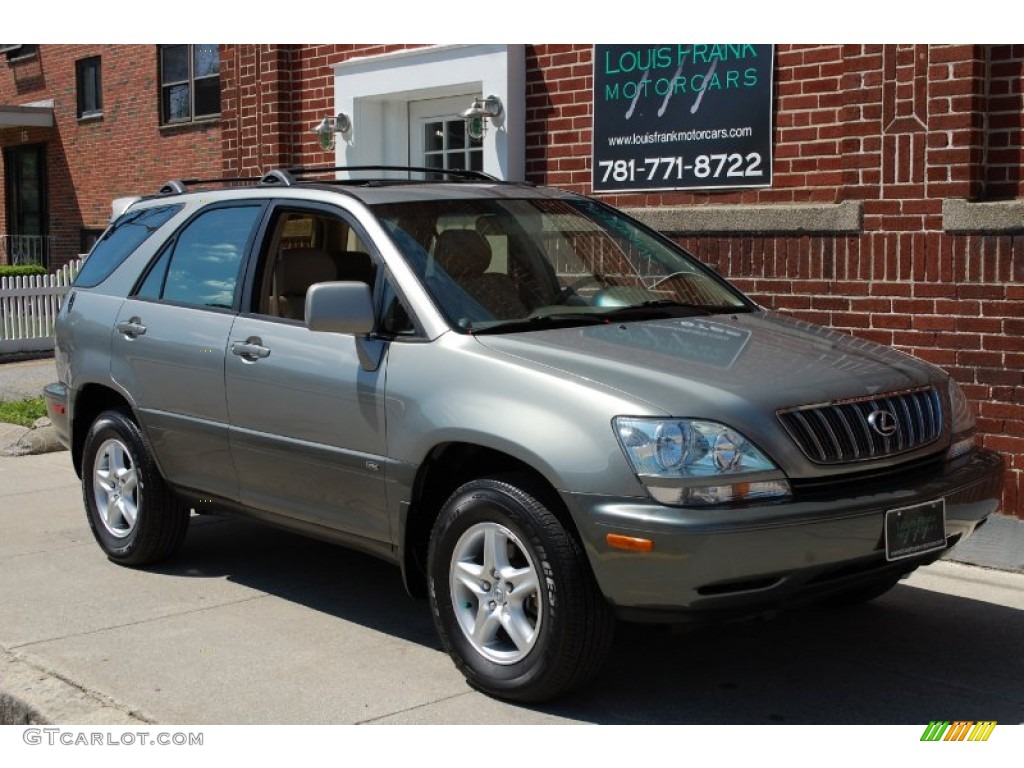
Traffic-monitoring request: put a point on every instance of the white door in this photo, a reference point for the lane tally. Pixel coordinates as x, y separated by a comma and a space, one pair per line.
438, 136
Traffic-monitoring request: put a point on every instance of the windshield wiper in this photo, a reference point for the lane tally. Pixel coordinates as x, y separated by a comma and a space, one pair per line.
553, 320
669, 308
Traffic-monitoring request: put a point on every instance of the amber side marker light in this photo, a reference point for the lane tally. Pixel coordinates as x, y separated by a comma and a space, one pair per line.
629, 543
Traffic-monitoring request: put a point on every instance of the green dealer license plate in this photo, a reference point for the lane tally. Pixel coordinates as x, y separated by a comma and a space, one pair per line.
915, 530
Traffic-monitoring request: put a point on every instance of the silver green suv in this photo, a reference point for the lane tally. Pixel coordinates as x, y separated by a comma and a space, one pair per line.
548, 415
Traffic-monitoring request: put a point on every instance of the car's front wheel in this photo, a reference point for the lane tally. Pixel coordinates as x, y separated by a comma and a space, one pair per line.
136, 519
513, 598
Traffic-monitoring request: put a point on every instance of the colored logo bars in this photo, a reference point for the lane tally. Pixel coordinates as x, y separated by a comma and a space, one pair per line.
960, 730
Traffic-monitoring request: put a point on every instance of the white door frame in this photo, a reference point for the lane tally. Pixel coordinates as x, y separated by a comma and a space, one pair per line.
376, 91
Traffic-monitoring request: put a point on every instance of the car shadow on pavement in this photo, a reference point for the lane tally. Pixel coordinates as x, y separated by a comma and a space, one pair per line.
325, 577
909, 657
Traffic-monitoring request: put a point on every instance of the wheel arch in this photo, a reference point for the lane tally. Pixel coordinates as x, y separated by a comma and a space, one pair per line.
447, 467
90, 402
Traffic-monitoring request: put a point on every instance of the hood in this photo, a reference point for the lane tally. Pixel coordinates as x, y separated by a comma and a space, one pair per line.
732, 368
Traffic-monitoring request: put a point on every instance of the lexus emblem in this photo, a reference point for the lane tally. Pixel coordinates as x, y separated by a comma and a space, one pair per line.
884, 423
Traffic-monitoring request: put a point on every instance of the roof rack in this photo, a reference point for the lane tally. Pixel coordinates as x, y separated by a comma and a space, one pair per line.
277, 176
456, 174
180, 186
287, 177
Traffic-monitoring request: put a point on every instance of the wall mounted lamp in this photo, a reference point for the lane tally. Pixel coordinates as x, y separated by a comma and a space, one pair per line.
478, 112
329, 126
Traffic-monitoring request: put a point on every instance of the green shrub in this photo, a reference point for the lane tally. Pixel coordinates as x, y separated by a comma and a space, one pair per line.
22, 271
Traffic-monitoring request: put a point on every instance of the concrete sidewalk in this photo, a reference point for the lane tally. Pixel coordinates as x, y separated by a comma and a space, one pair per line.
253, 625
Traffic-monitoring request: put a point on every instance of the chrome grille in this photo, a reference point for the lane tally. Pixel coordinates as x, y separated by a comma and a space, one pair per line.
855, 430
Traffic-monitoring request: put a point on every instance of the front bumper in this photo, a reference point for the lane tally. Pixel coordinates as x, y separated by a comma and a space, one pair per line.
755, 559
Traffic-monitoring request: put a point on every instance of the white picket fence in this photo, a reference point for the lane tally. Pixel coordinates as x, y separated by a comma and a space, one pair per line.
28, 309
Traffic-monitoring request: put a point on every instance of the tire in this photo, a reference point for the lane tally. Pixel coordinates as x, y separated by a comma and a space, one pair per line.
136, 519
539, 630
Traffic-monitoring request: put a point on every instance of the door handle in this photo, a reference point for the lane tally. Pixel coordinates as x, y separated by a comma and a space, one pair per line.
132, 328
251, 349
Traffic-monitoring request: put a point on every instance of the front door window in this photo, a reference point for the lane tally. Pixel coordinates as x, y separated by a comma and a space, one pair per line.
448, 145
440, 138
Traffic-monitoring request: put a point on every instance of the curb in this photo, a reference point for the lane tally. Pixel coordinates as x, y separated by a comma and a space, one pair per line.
35, 695
998, 544
23, 357
16, 440
14, 711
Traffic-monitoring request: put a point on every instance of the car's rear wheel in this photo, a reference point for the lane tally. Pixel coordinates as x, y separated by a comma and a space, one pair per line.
136, 519
513, 598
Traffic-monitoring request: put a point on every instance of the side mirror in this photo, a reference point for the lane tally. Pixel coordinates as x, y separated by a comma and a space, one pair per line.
340, 308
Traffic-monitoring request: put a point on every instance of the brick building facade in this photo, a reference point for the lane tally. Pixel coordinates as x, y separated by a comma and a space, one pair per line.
895, 212
120, 149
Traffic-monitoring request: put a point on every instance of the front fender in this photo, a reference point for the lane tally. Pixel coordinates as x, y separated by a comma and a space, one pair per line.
455, 390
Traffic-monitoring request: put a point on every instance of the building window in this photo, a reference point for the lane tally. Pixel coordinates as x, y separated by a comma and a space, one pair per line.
87, 239
447, 144
90, 92
189, 83
14, 52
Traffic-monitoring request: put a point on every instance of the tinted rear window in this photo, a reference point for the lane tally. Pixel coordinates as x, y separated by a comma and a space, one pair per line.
120, 240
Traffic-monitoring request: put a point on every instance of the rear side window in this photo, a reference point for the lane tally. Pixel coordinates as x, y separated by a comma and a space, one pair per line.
120, 240
202, 265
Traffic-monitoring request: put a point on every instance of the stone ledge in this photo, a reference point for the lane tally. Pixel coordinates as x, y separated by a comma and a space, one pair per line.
787, 219
963, 216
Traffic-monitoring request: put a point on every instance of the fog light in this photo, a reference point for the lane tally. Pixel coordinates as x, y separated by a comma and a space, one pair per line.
702, 495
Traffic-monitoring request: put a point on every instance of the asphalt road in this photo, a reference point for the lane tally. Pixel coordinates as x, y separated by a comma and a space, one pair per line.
252, 625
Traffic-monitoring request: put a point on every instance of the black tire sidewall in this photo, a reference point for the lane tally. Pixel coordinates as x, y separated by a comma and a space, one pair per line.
115, 425
480, 502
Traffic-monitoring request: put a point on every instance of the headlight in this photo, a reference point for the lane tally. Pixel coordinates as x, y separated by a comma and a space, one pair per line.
689, 462
962, 416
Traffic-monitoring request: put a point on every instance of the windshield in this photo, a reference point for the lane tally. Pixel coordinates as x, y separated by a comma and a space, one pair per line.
502, 265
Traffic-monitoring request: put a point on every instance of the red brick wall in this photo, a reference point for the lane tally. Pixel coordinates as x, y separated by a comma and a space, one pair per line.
559, 115
272, 97
256, 108
1004, 153
92, 161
